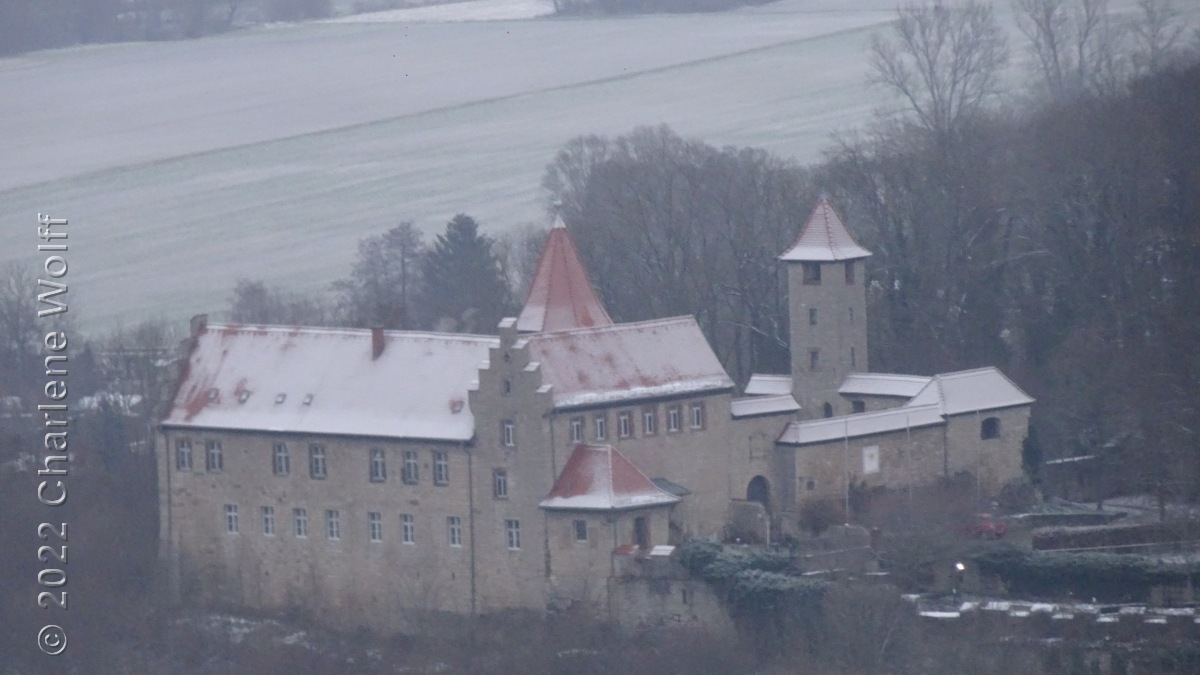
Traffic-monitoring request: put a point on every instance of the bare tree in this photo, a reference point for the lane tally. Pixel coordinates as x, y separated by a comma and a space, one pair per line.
384, 280
1157, 32
944, 62
1065, 35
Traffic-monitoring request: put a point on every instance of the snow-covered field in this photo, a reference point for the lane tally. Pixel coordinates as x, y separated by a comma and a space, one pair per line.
268, 153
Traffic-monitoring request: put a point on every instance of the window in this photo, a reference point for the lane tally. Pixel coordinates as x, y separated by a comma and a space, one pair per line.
268, 516
316, 462
812, 273
214, 460
851, 312
333, 524
812, 316
853, 358
697, 415
576, 429
581, 530
512, 531
183, 455
624, 424
411, 473
375, 525
508, 433
649, 421
859, 406
231, 518
989, 428
601, 426
507, 385
378, 465
849, 272
810, 484
827, 409
408, 529
454, 530
814, 359
673, 422
300, 518
281, 462
441, 468
500, 484
870, 459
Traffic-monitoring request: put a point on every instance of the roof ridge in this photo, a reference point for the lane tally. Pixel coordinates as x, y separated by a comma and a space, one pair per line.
613, 327
874, 414
345, 330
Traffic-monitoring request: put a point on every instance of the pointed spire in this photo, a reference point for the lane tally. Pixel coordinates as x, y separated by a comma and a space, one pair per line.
561, 297
824, 238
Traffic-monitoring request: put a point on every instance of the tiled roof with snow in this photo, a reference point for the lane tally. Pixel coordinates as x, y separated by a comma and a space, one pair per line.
560, 296
883, 384
325, 381
774, 385
599, 478
971, 390
627, 361
763, 405
860, 424
824, 238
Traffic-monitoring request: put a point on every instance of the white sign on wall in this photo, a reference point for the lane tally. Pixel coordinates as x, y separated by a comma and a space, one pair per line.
871, 459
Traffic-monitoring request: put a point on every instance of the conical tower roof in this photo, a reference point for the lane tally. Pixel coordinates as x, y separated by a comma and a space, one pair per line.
824, 238
561, 297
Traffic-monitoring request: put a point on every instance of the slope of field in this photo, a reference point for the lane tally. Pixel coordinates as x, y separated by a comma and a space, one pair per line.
269, 153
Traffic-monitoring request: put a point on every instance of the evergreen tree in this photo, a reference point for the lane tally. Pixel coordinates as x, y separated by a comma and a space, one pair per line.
464, 285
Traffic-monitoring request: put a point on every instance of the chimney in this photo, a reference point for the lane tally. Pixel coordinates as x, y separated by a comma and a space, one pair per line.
376, 341
199, 324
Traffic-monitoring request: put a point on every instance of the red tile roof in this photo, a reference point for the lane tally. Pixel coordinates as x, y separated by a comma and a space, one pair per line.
824, 238
599, 478
561, 297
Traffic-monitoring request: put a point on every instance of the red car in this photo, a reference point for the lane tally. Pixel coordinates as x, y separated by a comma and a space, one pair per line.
985, 526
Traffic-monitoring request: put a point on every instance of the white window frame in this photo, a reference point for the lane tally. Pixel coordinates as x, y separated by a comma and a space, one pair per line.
600, 426
500, 483
624, 424
377, 467
374, 526
408, 529
231, 519
214, 456
508, 433
411, 473
441, 467
577, 429
300, 522
268, 521
674, 419
183, 454
333, 524
281, 459
512, 534
697, 410
317, 467
650, 421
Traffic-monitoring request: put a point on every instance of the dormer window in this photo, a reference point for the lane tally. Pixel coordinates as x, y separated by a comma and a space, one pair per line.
243, 396
280, 398
308, 399
212, 394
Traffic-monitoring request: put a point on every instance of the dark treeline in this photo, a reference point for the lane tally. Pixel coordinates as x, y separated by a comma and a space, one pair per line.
27, 25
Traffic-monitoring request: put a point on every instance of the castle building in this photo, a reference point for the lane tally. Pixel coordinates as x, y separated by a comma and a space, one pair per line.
377, 476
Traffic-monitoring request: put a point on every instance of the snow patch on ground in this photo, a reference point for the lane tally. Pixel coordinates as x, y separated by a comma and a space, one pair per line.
472, 10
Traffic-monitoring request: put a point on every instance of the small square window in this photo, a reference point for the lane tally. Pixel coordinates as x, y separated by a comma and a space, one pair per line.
812, 273
581, 530
280, 398
624, 424
308, 399
441, 468
243, 396
500, 484
858, 405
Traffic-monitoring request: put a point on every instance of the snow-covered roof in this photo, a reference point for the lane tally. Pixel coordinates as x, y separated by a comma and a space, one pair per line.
860, 424
883, 384
971, 390
627, 361
774, 385
326, 381
824, 238
763, 405
560, 296
599, 478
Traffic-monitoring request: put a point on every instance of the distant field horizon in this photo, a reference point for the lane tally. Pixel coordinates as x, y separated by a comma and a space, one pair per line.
268, 153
